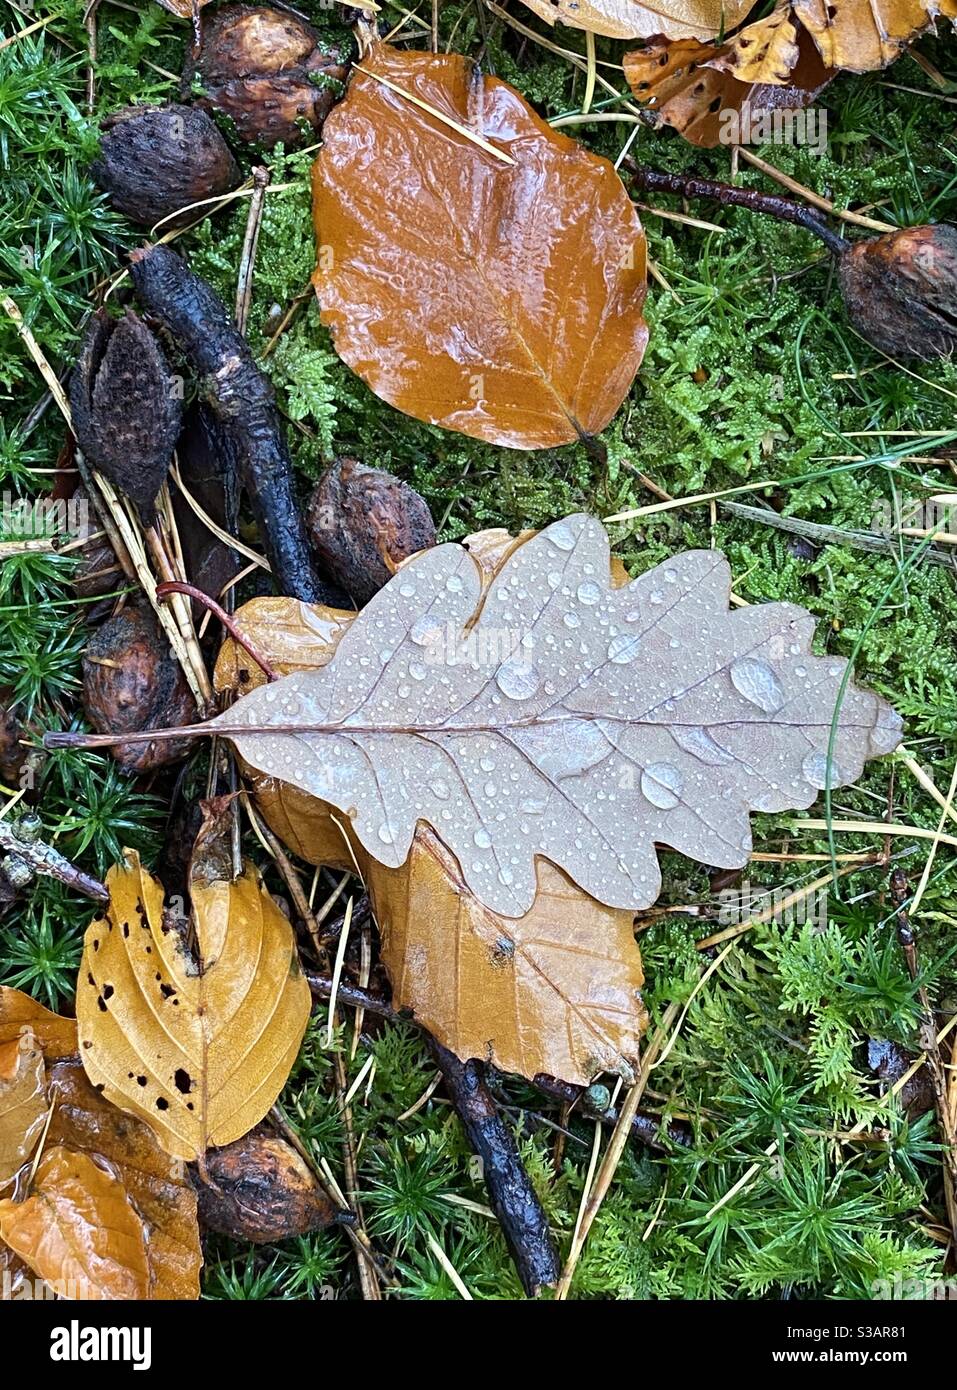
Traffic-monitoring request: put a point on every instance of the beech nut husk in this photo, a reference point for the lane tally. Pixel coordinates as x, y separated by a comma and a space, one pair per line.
126, 406
260, 1190
131, 681
268, 71
156, 160
363, 523
900, 290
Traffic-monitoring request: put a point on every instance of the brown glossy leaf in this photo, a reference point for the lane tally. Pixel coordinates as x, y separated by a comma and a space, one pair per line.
78, 1230
56, 1035
17, 1280
695, 97
22, 1100
555, 991
200, 1056
555, 716
157, 1185
629, 19
498, 297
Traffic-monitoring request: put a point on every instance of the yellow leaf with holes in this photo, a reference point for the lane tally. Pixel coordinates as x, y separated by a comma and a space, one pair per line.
863, 35
191, 1025
630, 19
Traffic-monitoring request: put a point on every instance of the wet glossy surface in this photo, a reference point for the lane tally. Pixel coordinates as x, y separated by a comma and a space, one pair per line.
502, 300
573, 720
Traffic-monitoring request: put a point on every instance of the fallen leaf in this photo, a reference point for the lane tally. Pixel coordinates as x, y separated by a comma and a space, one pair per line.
183, 9
558, 717
689, 91
16, 1279
198, 1054
766, 51
555, 991
22, 1100
156, 1184
864, 35
78, 1230
500, 297
56, 1035
629, 19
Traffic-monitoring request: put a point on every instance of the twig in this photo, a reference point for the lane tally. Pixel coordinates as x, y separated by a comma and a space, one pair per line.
927, 1036
855, 218
242, 401
772, 204
44, 859
828, 535
615, 1150
513, 1198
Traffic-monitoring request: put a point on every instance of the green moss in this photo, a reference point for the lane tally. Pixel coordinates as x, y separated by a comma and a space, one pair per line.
752, 377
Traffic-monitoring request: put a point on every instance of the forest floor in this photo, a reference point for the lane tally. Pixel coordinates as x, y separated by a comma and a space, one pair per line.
753, 380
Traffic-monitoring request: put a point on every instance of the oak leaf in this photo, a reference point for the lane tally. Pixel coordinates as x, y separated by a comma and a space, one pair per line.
198, 1046
557, 717
630, 19
557, 991
78, 1230
22, 1100
493, 288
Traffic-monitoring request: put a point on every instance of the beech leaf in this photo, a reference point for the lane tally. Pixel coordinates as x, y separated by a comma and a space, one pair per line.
496, 291
199, 1054
693, 87
555, 716
864, 35
630, 19
78, 1230
22, 1100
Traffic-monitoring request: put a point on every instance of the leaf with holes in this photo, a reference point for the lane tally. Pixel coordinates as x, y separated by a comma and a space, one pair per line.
476, 268
554, 716
695, 87
198, 1045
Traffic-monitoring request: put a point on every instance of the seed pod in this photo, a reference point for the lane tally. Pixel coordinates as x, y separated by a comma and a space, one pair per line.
260, 1190
131, 681
900, 290
155, 160
268, 71
363, 523
126, 406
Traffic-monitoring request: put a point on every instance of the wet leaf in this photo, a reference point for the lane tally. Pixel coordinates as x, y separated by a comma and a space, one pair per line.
156, 1184
78, 1230
629, 19
496, 295
22, 1100
558, 717
555, 991
198, 1054
690, 87
863, 35
56, 1035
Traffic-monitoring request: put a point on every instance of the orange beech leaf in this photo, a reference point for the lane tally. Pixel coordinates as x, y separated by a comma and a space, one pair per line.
476, 268
56, 1035
688, 86
23, 1103
78, 1230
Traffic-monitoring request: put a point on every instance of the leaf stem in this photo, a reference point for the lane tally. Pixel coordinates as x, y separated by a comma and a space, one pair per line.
176, 586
